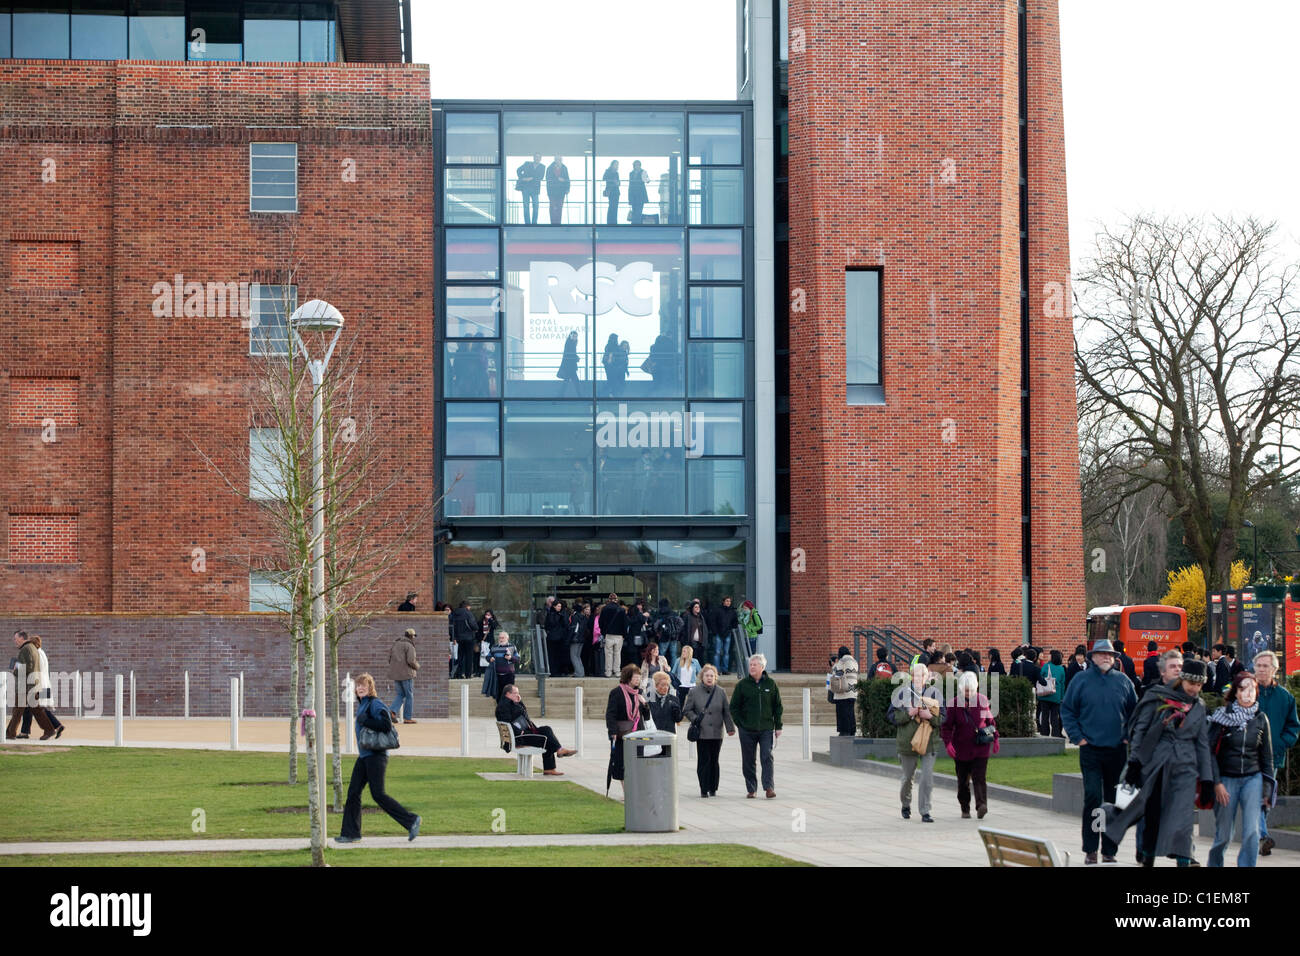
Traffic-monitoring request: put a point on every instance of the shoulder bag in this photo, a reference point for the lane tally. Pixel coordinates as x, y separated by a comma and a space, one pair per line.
370, 739
693, 731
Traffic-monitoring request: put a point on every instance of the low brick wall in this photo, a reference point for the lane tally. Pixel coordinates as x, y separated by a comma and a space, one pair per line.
216, 647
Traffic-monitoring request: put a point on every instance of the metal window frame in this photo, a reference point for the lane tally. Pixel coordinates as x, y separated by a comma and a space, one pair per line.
252, 197
867, 393
254, 310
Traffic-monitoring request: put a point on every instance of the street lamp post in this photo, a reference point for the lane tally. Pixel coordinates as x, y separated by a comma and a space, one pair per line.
1254, 561
319, 317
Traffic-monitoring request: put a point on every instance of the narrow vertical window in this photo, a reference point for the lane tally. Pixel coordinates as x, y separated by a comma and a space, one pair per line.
273, 177
862, 337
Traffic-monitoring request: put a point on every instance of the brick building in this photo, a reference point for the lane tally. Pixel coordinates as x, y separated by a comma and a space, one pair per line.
884, 375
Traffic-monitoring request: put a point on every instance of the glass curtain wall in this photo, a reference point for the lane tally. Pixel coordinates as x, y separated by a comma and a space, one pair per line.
594, 290
209, 30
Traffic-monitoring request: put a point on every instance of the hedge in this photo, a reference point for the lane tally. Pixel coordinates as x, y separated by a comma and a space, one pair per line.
1015, 700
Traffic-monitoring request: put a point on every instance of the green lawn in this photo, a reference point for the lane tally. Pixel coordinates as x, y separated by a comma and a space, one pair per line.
109, 793
1024, 773
622, 856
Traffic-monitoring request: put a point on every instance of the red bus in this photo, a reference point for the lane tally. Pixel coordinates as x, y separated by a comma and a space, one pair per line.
1136, 624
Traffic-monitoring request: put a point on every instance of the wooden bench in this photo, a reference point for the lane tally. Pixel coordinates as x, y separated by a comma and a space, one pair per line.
1016, 849
523, 755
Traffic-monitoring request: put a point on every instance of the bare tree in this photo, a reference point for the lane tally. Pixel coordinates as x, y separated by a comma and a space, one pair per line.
1186, 360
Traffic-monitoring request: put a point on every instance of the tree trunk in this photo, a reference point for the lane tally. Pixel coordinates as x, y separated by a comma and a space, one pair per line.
295, 708
313, 805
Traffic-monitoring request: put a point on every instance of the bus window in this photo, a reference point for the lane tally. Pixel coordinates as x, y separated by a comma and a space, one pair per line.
1154, 621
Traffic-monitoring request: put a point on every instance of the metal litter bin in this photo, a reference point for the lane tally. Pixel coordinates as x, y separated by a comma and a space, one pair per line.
650, 782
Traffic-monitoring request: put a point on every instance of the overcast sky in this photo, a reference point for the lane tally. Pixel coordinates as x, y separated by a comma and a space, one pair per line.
1181, 106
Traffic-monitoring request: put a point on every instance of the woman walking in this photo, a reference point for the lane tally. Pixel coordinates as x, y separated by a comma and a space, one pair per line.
625, 712
686, 673
613, 186
370, 768
665, 708
970, 735
45, 693
487, 637
844, 692
504, 658
568, 370
707, 703
1049, 705
1242, 744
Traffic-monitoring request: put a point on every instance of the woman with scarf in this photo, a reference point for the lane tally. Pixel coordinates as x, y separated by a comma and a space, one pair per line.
1169, 759
1242, 744
626, 712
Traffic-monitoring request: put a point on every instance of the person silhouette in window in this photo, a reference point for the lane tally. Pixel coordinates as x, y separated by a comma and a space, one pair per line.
636, 191
557, 188
568, 371
529, 184
614, 361
613, 188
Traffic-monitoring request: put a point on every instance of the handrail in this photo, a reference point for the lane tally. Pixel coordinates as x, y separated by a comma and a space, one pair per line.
742, 649
899, 646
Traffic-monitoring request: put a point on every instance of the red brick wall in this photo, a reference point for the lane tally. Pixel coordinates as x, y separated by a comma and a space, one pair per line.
903, 154
151, 180
44, 262
1056, 587
35, 400
42, 539
214, 648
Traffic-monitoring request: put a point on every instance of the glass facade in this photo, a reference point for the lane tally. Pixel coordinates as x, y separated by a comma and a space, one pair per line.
203, 30
596, 351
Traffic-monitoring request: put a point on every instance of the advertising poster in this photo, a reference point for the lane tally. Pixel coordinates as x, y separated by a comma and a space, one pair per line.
1292, 649
1256, 631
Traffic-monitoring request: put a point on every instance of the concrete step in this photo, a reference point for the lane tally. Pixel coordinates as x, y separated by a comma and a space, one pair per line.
560, 696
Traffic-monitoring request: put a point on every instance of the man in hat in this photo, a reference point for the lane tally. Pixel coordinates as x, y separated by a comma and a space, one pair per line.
402, 666
1170, 762
1095, 713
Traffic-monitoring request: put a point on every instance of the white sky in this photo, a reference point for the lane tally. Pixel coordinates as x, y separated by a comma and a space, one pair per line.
1178, 106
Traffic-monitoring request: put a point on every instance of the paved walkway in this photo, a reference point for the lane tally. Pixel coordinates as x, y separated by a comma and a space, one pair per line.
822, 814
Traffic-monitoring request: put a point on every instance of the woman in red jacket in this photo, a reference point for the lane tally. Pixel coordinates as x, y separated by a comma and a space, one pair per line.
967, 713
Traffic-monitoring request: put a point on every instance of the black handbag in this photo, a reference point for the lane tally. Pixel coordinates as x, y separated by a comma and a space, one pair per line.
370, 739
693, 731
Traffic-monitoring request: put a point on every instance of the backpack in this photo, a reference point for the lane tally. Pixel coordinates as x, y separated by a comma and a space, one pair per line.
883, 669
670, 628
842, 682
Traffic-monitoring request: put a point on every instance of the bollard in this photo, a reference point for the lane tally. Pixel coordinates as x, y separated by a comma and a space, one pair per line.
76, 685
117, 710
807, 724
234, 713
187, 695
241, 695
133, 695
577, 720
4, 699
464, 720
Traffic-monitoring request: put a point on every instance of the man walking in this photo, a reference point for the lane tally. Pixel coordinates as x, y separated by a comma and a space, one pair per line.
1095, 713
1276, 702
463, 629
756, 709
27, 670
402, 666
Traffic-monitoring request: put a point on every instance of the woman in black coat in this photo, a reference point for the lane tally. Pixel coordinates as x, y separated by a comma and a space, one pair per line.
1078, 664
625, 712
995, 662
487, 637
568, 371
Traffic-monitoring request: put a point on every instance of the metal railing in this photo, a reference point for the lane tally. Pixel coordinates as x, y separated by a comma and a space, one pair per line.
541, 663
900, 647
742, 648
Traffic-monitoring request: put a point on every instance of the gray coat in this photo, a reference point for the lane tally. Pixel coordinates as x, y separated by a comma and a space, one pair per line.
1179, 759
715, 715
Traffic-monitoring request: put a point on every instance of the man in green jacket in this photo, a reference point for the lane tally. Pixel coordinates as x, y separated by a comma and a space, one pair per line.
756, 709
1277, 703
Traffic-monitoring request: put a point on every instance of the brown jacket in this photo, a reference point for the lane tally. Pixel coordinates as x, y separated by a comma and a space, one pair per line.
402, 664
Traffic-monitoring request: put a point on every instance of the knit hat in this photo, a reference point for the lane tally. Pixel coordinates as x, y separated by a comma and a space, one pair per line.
1195, 671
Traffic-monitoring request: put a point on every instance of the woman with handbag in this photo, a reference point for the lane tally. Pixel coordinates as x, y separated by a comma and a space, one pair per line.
626, 711
970, 735
1242, 745
375, 737
706, 708
1050, 691
844, 692
917, 712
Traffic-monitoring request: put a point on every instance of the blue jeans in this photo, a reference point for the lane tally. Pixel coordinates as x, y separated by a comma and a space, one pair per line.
530, 206
1244, 792
404, 695
672, 650
721, 652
